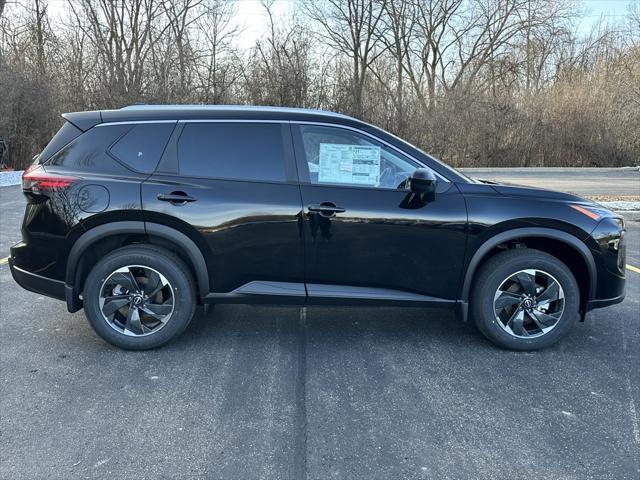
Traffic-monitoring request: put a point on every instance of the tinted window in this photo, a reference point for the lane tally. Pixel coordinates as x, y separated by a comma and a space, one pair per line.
244, 151
65, 135
142, 146
340, 156
89, 150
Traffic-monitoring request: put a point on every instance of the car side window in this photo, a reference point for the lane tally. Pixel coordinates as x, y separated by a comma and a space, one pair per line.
236, 151
343, 157
142, 146
88, 150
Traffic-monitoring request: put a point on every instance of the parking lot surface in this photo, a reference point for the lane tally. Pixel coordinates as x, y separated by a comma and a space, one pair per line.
316, 393
595, 182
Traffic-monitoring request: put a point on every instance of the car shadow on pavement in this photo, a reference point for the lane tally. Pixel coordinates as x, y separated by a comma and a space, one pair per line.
330, 325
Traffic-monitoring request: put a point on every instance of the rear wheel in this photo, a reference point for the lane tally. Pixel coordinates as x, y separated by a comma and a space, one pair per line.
139, 297
525, 299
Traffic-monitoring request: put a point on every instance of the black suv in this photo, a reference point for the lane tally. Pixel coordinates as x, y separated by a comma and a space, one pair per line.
140, 214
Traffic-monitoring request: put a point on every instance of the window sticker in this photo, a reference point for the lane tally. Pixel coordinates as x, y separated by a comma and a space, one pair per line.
356, 164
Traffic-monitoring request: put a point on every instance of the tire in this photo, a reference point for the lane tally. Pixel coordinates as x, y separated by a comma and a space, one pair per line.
165, 294
506, 311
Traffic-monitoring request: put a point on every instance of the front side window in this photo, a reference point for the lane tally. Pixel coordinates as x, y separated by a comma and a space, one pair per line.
343, 157
237, 151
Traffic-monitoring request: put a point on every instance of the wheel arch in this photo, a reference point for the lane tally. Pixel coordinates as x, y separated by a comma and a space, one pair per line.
128, 232
537, 235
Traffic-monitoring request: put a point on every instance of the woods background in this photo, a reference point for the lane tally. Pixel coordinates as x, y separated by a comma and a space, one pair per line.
474, 82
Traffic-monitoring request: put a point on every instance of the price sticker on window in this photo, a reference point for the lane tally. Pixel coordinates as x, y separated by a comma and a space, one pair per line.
355, 164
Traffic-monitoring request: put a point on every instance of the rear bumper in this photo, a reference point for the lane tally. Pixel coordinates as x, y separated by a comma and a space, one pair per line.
37, 283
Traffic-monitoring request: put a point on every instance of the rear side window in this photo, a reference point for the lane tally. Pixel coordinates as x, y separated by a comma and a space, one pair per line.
238, 151
67, 133
88, 151
141, 147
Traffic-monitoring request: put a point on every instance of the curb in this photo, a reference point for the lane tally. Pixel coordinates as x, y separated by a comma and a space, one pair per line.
630, 215
9, 178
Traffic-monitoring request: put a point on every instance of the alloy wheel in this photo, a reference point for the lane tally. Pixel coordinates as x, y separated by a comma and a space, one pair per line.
529, 303
136, 300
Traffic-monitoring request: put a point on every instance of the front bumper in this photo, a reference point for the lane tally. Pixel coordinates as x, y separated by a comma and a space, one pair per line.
604, 302
608, 246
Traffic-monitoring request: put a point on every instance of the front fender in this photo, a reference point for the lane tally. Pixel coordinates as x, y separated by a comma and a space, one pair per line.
539, 232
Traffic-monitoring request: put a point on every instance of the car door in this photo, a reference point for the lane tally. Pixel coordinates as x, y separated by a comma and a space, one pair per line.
366, 236
232, 187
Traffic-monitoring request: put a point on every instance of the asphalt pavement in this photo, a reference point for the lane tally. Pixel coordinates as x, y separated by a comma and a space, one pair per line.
317, 393
599, 182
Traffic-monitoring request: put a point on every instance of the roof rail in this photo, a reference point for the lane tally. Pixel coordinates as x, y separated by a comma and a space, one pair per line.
133, 105
240, 108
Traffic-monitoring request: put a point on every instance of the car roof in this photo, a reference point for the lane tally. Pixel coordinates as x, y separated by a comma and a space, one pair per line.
244, 112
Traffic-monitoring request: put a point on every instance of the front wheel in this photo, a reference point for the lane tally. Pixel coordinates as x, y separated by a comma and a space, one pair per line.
525, 299
139, 297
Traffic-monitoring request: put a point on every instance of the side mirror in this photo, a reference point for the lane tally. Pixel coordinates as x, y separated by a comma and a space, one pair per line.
423, 181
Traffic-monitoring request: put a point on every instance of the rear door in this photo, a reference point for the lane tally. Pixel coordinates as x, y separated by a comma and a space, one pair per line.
232, 187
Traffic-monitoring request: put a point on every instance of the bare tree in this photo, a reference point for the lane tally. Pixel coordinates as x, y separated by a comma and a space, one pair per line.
181, 15
123, 35
397, 28
477, 82
351, 27
220, 65
40, 13
280, 69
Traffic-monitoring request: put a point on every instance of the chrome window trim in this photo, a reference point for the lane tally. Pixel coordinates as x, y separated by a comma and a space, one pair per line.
134, 122
292, 122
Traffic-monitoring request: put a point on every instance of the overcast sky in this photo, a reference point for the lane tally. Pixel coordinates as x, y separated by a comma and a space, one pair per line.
251, 16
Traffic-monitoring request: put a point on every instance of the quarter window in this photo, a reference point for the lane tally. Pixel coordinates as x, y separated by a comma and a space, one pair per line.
142, 146
239, 151
88, 150
338, 156
65, 135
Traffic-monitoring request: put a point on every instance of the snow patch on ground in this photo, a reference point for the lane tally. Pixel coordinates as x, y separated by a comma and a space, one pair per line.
621, 205
10, 178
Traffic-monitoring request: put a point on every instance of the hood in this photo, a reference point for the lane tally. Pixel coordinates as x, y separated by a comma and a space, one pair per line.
550, 195
534, 192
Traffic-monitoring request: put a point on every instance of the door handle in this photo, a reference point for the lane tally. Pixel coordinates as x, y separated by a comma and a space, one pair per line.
176, 198
326, 209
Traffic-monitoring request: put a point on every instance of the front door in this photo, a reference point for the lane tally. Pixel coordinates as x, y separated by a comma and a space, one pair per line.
365, 235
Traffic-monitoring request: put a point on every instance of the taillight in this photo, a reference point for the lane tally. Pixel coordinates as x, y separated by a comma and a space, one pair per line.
35, 179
